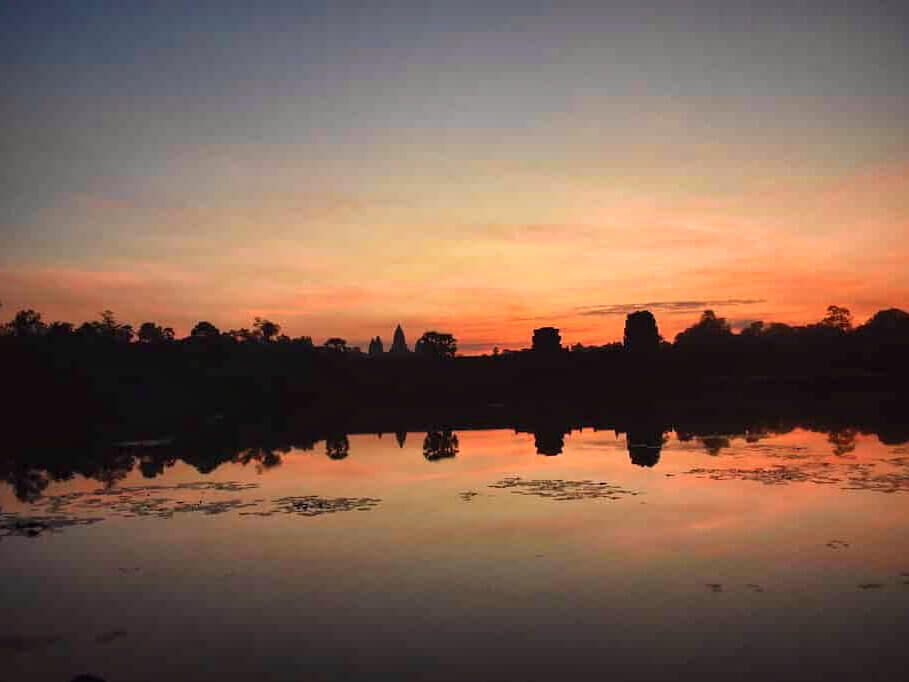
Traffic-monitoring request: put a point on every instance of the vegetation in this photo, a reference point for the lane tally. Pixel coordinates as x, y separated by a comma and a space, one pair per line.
105, 377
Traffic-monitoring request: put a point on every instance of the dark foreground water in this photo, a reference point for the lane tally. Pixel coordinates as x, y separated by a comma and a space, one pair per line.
786, 557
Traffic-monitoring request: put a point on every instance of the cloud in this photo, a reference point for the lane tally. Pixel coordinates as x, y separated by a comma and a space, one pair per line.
668, 307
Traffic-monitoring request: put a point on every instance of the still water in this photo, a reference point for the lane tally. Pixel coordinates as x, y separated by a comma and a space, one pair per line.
467, 555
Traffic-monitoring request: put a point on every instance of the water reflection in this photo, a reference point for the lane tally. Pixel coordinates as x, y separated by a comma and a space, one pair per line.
645, 445
29, 472
549, 442
275, 536
337, 446
440, 445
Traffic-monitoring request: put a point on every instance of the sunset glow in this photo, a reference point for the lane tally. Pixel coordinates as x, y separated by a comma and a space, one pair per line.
342, 170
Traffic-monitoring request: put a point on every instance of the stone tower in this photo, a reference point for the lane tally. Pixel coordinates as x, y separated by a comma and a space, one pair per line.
399, 343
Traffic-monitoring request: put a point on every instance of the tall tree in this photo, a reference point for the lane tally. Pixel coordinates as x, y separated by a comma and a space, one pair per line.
641, 333
337, 344
837, 317
267, 329
437, 345
204, 330
710, 330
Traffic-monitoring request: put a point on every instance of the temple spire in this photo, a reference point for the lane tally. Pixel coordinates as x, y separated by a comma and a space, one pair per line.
399, 343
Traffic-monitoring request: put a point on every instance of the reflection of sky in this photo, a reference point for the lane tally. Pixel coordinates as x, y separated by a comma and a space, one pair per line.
343, 168
513, 579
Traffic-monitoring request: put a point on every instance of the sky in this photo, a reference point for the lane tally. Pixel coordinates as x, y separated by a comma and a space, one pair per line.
479, 168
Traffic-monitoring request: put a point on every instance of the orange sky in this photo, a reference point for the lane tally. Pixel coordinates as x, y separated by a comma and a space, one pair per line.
477, 170
772, 252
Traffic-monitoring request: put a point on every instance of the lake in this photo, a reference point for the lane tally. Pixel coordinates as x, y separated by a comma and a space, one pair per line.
465, 554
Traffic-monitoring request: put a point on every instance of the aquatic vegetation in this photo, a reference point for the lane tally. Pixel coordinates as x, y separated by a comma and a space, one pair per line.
562, 490
145, 501
313, 505
15, 525
847, 475
129, 502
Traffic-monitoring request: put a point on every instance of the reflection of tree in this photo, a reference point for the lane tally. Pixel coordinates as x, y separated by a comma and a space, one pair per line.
401, 437
337, 447
549, 441
440, 445
115, 468
263, 457
843, 441
713, 444
152, 466
645, 446
28, 484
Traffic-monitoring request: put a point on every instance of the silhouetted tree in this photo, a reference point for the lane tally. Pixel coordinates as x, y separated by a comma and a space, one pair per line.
753, 330
107, 328
204, 331
436, 345
440, 445
401, 437
149, 332
886, 325
708, 331
336, 344
546, 340
27, 323
641, 333
838, 318
242, 335
267, 330
60, 330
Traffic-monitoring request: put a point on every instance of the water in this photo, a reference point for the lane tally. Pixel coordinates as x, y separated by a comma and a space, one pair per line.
781, 556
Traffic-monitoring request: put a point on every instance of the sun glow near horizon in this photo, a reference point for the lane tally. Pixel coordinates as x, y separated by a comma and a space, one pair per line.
477, 172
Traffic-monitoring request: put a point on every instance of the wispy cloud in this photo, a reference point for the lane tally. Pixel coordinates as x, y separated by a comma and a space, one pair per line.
667, 307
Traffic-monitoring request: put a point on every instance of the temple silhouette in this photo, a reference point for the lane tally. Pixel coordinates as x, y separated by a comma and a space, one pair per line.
399, 343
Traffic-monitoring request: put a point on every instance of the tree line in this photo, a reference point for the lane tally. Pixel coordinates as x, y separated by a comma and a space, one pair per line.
29, 324
641, 334
112, 380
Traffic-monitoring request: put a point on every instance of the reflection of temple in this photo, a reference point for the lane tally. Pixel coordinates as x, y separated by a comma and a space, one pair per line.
549, 441
644, 446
